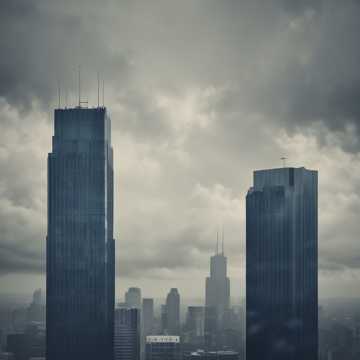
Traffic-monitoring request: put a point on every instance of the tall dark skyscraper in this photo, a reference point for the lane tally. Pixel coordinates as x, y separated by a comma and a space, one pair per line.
217, 298
281, 265
173, 312
127, 334
80, 243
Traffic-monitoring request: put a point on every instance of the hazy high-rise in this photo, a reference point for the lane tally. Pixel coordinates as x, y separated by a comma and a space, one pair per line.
218, 284
133, 297
148, 315
281, 265
217, 297
80, 243
173, 312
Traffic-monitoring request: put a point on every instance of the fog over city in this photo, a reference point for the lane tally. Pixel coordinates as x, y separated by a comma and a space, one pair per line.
200, 94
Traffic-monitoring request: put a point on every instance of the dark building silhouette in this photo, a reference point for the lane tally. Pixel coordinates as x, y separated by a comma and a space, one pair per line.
173, 312
217, 298
27, 344
127, 334
281, 265
163, 348
80, 243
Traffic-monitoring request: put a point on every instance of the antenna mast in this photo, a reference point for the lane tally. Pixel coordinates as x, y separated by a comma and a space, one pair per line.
283, 161
98, 89
59, 93
79, 86
222, 246
103, 93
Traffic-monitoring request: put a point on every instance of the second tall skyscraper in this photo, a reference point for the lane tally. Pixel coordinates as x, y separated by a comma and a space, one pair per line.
281, 265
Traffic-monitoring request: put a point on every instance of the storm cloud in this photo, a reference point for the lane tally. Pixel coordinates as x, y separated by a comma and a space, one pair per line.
200, 93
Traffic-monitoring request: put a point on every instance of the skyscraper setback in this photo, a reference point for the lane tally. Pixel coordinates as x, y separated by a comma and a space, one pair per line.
281, 265
218, 284
80, 243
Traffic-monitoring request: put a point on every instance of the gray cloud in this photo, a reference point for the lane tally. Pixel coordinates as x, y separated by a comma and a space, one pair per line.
46, 42
200, 94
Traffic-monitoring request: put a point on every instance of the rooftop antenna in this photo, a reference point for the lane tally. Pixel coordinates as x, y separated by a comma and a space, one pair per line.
222, 244
59, 93
283, 161
79, 79
103, 93
66, 98
98, 88
217, 242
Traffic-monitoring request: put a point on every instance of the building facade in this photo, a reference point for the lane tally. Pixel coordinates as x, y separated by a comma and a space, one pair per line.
80, 243
127, 334
163, 347
281, 265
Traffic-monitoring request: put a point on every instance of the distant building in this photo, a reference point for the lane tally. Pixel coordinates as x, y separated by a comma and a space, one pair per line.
195, 326
212, 355
217, 298
148, 315
133, 298
16, 345
36, 311
80, 256
218, 284
163, 347
282, 265
173, 312
211, 326
163, 319
30, 343
127, 334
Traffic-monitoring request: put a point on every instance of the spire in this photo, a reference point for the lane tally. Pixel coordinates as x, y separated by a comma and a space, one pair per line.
222, 243
217, 242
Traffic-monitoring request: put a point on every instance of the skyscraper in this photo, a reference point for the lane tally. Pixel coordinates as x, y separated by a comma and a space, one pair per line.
80, 243
36, 310
195, 325
148, 315
133, 297
127, 334
218, 284
173, 312
281, 265
217, 297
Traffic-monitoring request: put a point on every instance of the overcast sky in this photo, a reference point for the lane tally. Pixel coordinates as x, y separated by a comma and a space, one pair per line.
201, 93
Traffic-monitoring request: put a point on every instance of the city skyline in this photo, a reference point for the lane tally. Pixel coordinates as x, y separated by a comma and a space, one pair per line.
200, 96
